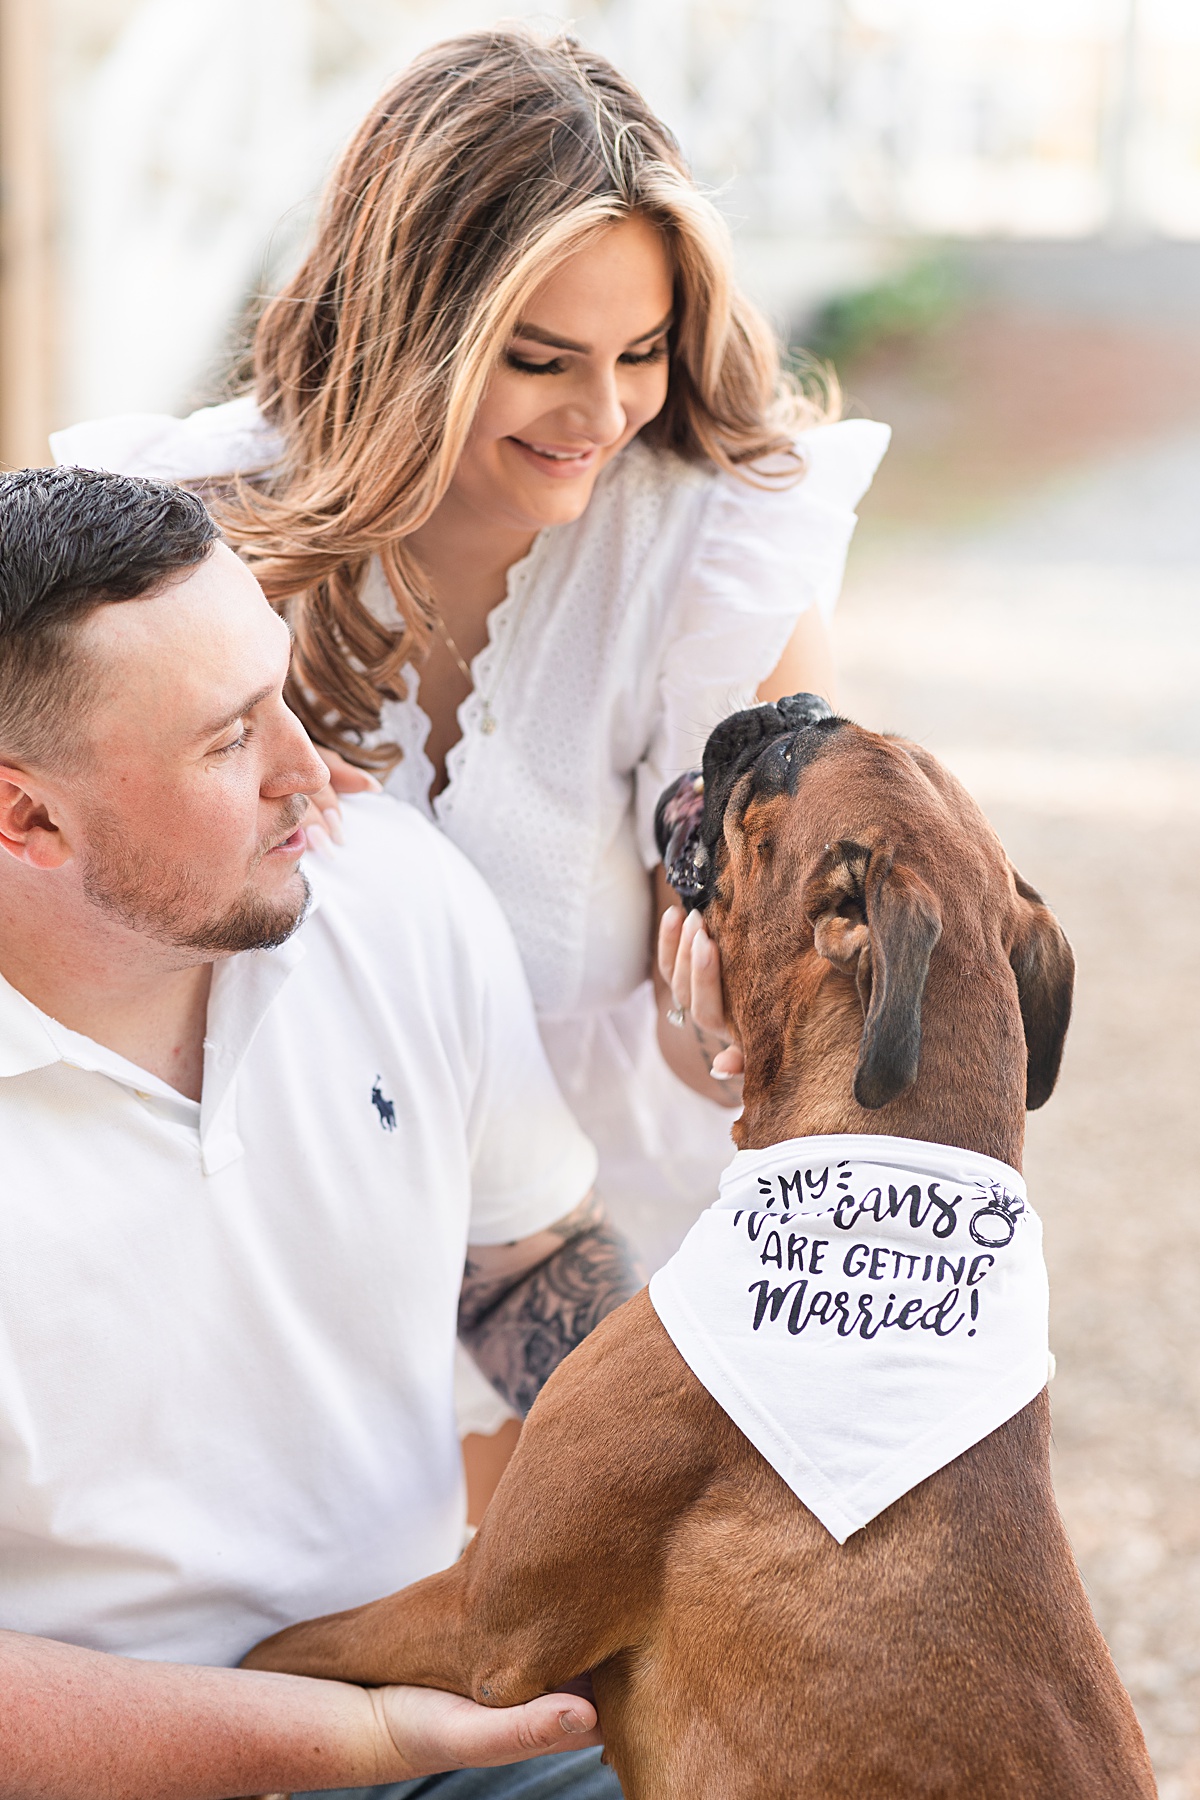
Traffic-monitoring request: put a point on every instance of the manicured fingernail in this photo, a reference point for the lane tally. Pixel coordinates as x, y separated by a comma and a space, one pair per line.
691, 925
318, 839
722, 1074
571, 1722
702, 948
333, 824
373, 786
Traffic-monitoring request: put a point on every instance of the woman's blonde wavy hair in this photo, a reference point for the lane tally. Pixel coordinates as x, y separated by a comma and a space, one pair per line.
484, 166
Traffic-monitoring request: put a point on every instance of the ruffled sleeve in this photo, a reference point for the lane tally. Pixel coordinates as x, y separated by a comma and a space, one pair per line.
761, 558
233, 438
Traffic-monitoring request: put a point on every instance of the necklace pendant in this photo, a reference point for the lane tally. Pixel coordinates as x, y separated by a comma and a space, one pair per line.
487, 723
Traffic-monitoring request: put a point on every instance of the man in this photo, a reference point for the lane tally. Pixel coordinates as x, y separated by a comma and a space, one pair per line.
248, 1129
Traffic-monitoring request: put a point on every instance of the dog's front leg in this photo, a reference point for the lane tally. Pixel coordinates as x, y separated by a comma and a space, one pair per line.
564, 1571
414, 1637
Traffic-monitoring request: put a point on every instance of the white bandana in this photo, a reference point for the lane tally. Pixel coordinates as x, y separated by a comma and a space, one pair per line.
864, 1309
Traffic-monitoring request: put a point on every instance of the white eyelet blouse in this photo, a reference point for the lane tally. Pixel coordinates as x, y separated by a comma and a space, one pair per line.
622, 640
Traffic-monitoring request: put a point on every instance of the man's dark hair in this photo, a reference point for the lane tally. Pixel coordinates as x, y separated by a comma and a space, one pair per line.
72, 540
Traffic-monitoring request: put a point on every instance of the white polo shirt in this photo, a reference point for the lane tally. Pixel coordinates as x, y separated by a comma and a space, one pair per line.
227, 1329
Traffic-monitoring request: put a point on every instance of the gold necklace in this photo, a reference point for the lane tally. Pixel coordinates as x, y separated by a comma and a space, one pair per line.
487, 719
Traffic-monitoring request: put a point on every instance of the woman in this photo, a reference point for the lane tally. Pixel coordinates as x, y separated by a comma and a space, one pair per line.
521, 468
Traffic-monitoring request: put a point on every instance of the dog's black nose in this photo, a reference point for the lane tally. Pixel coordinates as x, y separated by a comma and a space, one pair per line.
738, 740
796, 710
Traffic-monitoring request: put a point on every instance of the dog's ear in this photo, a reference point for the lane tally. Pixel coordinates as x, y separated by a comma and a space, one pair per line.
1044, 965
877, 919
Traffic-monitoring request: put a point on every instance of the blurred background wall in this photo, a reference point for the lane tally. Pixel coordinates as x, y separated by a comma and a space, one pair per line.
987, 214
161, 156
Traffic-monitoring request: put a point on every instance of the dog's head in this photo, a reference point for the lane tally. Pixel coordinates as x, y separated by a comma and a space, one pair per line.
864, 907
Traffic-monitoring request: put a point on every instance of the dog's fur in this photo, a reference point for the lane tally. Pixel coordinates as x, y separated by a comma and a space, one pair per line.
885, 970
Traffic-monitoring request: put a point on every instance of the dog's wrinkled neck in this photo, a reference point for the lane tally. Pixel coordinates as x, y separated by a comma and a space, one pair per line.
801, 1048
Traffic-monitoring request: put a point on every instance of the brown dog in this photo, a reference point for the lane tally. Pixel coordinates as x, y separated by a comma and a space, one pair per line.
886, 970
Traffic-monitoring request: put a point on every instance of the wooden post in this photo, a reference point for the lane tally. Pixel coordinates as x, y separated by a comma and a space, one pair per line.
26, 223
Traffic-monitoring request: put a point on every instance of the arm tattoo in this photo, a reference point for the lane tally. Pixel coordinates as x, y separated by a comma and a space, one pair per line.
519, 1329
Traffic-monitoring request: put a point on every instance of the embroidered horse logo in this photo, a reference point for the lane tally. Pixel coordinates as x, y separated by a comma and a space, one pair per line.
383, 1106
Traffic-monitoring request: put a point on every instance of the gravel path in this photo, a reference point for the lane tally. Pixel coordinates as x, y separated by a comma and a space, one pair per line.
1054, 661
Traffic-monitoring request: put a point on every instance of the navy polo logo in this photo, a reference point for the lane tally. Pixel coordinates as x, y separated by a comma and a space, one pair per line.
383, 1106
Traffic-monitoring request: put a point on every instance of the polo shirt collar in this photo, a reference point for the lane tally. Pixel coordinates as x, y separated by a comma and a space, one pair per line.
243, 990
79, 1052
25, 1041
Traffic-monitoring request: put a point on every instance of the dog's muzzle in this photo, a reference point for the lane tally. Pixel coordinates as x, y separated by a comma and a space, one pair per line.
677, 832
690, 815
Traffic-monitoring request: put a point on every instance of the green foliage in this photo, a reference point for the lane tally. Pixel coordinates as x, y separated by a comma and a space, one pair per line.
908, 304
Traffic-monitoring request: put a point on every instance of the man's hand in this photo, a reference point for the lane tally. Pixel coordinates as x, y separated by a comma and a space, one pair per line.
431, 1731
526, 1305
423, 1731
182, 1732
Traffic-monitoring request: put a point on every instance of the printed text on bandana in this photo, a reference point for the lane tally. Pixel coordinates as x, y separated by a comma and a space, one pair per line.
825, 1270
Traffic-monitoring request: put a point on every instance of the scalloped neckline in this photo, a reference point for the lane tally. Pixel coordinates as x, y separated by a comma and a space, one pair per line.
470, 708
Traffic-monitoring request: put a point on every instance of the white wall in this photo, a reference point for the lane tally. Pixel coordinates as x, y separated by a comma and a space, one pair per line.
192, 137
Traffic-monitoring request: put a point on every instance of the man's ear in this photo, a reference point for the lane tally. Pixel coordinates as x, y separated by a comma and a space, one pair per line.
1044, 965
877, 920
27, 830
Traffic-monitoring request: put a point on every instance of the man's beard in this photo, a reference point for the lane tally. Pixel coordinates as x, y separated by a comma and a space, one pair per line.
175, 909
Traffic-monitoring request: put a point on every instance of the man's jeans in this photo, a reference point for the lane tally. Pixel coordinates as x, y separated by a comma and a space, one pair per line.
574, 1775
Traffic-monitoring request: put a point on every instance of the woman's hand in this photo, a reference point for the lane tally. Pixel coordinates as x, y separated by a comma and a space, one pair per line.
690, 966
323, 820
692, 1032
